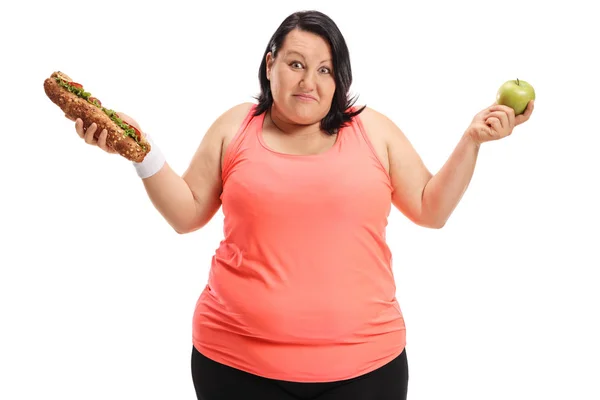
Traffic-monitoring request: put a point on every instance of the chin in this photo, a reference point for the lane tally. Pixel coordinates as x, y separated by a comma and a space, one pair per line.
305, 115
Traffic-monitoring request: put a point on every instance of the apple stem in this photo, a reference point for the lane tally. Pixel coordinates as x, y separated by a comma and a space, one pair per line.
518, 82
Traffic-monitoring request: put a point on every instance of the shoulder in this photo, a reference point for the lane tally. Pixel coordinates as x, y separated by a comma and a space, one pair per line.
377, 125
224, 128
380, 127
232, 118
227, 124
376, 121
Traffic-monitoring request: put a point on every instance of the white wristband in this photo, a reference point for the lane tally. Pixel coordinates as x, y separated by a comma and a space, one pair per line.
152, 163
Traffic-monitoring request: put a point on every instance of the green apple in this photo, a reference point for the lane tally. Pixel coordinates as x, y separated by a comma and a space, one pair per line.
515, 94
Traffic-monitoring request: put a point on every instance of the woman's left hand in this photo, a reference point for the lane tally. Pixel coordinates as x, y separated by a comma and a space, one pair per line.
496, 122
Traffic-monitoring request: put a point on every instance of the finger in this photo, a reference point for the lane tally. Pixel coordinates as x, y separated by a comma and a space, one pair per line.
79, 127
484, 131
502, 118
495, 123
89, 134
525, 116
512, 118
510, 113
102, 140
508, 110
483, 114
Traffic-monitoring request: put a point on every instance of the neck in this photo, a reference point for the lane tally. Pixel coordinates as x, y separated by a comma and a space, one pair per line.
288, 127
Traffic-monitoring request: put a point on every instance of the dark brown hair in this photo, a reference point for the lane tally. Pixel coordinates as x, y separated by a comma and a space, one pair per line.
320, 24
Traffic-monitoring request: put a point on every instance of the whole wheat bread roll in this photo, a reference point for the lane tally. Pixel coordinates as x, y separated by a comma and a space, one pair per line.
76, 106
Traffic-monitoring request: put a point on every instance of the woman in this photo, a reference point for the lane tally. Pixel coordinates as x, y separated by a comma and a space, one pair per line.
300, 302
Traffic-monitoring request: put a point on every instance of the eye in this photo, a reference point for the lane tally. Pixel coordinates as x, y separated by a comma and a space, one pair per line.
296, 64
325, 70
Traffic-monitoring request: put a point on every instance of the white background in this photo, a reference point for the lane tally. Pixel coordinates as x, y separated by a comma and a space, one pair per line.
97, 291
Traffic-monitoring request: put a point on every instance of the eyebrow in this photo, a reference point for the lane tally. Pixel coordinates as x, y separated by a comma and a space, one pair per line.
290, 52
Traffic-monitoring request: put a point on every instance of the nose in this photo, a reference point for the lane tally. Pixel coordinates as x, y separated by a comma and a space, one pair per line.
308, 82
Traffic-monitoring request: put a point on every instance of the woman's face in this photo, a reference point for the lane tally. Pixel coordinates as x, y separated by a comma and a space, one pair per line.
301, 77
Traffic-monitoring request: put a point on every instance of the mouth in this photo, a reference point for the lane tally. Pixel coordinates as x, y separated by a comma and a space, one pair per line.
305, 97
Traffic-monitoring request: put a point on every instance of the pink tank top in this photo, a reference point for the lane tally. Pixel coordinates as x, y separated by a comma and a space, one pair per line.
301, 287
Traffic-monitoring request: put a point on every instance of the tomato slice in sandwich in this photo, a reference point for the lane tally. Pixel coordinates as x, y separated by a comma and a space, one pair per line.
95, 100
77, 85
137, 132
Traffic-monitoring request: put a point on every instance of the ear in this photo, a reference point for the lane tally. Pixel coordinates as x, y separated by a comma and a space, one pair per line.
269, 61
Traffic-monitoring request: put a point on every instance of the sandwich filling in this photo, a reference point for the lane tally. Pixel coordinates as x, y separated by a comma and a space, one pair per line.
78, 90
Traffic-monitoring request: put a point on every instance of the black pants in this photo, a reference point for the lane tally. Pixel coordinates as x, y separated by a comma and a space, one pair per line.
215, 381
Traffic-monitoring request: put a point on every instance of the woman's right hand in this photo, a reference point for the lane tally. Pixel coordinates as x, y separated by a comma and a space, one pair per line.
88, 134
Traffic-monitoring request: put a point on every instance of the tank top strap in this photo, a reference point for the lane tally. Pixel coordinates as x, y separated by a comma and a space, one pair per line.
352, 140
355, 135
244, 139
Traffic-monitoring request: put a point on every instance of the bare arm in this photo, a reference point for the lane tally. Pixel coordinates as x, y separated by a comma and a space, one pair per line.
189, 202
408, 173
444, 190
429, 200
